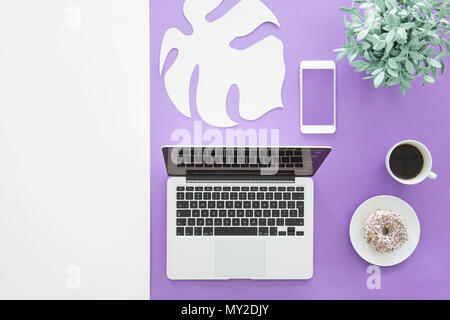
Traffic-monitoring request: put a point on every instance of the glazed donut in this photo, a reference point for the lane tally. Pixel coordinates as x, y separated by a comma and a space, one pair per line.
385, 231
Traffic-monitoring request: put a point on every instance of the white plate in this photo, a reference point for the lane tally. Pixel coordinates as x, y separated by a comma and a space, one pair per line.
368, 253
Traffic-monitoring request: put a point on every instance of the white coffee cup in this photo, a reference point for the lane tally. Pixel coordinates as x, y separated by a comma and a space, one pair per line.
427, 163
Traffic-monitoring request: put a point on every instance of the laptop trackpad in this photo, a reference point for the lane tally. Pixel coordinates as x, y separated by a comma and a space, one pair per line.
240, 259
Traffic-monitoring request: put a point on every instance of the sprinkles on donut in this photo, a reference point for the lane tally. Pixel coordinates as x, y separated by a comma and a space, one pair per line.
385, 231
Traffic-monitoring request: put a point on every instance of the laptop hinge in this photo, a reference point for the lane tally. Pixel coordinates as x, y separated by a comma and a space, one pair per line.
234, 177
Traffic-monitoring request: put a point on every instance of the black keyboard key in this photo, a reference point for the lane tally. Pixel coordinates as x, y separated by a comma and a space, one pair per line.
273, 231
216, 196
222, 213
272, 188
209, 222
264, 231
290, 189
217, 188
278, 196
198, 188
236, 222
297, 196
208, 231
189, 188
224, 196
207, 196
191, 222
282, 205
291, 204
195, 213
269, 196
266, 213
182, 204
244, 222
202, 205
262, 222
284, 213
226, 188
180, 231
253, 222
180, 188
280, 222
240, 213
254, 189
198, 231
193, 204
242, 196
260, 196
198, 196
273, 204
282, 233
217, 222
264, 204
255, 205
286, 196
300, 233
231, 213
236, 189
249, 213
189, 231
294, 222
189, 196
291, 231
293, 213
258, 213
281, 188
227, 222
247, 204
213, 213
234, 196
211, 204
251, 196
208, 188
238, 204
180, 196
181, 222
204, 213
300, 204
229, 204
236, 231
300, 189
271, 222
275, 213
200, 222
183, 213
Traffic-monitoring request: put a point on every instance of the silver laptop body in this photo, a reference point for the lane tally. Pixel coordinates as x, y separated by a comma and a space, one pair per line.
240, 212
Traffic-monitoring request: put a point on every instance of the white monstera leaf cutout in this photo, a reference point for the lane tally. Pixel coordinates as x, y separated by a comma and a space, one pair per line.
258, 71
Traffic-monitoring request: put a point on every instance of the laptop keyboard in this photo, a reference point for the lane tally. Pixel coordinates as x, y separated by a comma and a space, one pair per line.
240, 211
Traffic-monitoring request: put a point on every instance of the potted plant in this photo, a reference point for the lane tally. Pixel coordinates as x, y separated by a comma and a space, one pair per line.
397, 41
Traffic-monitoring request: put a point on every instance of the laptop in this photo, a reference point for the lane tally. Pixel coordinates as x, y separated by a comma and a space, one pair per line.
240, 212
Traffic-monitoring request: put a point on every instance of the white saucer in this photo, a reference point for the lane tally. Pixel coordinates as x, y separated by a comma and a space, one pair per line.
361, 215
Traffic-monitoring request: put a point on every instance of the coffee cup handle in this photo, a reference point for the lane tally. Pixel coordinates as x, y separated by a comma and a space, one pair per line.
432, 175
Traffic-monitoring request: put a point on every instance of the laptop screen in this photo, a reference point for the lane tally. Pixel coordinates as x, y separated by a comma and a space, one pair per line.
245, 161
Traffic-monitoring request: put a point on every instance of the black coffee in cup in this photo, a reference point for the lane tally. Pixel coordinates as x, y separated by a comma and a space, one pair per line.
406, 161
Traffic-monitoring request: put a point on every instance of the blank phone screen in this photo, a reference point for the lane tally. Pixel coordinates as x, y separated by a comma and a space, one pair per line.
318, 97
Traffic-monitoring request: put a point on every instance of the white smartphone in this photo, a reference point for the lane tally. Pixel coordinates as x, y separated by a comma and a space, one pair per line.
318, 97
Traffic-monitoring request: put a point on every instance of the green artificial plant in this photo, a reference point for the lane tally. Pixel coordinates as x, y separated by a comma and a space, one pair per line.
397, 41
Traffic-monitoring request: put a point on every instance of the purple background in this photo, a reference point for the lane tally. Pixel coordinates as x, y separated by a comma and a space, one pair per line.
369, 122
318, 97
